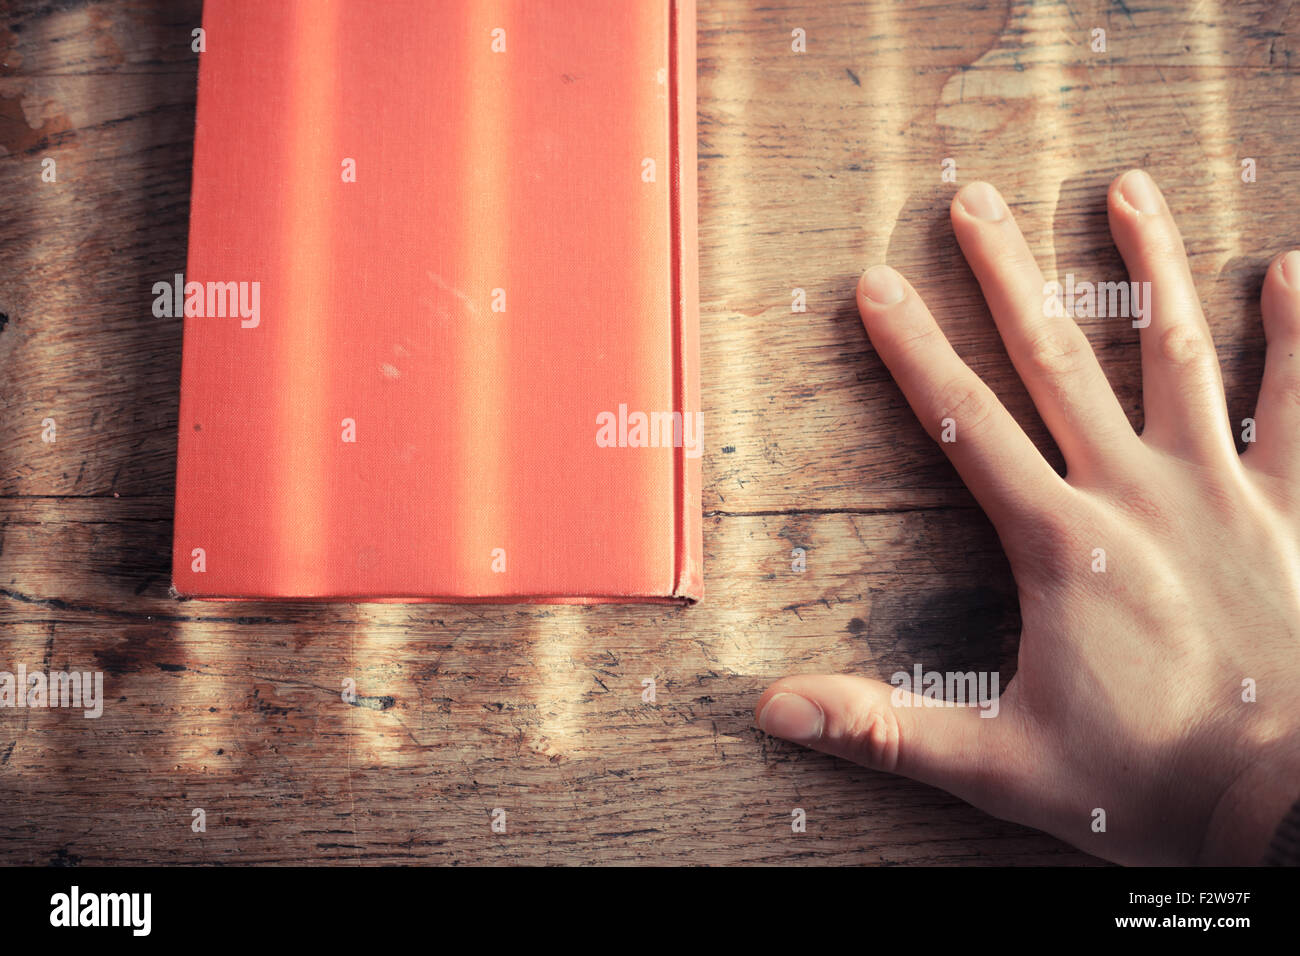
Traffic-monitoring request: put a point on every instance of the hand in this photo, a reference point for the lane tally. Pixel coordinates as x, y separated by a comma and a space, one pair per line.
1128, 695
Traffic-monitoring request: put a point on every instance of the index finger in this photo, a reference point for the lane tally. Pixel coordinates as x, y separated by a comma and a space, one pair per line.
995, 458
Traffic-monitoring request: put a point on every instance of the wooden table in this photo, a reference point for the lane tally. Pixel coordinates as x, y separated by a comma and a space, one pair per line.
812, 167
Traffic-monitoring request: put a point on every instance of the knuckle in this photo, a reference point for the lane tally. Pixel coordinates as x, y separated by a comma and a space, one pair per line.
917, 342
1013, 260
1060, 535
1059, 541
1164, 249
968, 404
1137, 500
1161, 244
1056, 353
874, 732
1186, 344
1225, 495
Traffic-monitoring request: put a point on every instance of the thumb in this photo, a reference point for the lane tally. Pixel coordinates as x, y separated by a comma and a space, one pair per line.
855, 718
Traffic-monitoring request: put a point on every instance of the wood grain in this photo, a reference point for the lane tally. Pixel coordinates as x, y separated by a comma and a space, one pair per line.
812, 166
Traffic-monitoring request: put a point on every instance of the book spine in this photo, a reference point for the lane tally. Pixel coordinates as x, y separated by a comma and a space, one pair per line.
689, 584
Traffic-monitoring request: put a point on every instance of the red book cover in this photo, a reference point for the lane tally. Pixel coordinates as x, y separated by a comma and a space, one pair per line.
441, 305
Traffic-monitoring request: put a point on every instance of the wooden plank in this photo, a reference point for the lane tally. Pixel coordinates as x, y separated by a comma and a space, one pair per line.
237, 709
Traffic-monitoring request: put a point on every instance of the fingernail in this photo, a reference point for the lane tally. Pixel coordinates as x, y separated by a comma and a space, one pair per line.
1139, 191
882, 285
792, 717
1291, 269
982, 201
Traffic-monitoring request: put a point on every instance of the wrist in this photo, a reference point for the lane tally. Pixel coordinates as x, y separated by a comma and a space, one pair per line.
1243, 822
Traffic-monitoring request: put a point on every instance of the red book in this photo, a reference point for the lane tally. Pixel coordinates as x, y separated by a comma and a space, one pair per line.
441, 306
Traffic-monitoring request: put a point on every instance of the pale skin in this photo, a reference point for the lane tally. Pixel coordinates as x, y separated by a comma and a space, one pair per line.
1128, 694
